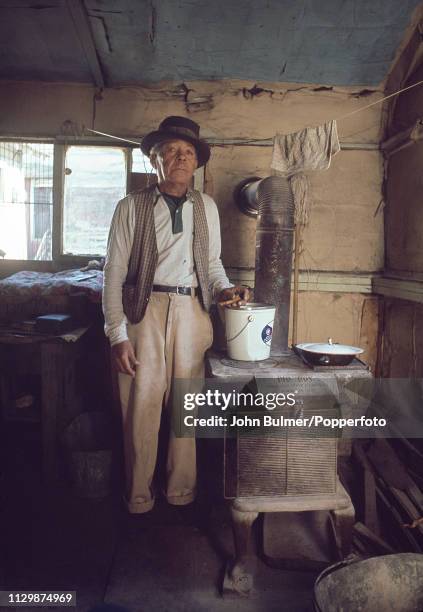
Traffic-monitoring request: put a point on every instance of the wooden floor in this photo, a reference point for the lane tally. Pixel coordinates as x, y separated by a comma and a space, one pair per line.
159, 561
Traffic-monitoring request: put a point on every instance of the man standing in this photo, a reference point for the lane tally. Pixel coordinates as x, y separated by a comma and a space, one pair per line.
162, 270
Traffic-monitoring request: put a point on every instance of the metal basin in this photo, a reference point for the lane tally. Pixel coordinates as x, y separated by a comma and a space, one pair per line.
328, 354
391, 583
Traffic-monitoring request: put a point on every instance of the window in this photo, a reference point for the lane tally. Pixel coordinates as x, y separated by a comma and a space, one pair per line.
26, 200
43, 197
141, 163
95, 180
57, 199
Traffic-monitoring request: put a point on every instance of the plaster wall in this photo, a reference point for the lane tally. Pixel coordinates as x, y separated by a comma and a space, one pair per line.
345, 231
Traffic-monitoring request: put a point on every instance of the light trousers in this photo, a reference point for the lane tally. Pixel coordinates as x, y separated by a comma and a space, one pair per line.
169, 344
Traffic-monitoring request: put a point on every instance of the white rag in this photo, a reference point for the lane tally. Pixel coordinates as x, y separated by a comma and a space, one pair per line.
294, 154
309, 149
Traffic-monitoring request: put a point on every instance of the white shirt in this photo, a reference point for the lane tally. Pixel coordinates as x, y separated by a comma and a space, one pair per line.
175, 262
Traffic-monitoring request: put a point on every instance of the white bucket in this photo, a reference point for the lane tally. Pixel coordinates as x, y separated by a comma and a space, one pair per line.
249, 331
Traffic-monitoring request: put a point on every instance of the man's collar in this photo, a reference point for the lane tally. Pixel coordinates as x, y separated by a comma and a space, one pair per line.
190, 193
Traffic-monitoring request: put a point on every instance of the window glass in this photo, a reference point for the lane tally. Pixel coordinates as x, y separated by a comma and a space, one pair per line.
26, 200
141, 163
95, 180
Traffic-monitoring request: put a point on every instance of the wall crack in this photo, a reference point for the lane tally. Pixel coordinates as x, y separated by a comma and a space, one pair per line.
363, 93
255, 91
34, 7
323, 88
153, 23
105, 12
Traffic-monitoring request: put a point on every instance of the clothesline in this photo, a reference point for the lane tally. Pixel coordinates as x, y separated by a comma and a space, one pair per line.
111, 136
362, 108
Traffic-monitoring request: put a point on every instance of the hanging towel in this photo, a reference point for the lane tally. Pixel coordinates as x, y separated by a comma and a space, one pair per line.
309, 149
300, 152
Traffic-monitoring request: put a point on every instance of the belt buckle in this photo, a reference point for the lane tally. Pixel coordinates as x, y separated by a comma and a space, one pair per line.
177, 290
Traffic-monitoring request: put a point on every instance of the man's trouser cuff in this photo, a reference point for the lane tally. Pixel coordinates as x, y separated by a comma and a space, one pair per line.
139, 507
181, 500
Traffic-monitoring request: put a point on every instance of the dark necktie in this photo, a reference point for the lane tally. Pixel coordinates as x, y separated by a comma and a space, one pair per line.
175, 205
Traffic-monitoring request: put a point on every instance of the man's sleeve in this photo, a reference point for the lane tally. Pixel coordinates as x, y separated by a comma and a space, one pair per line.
217, 275
119, 245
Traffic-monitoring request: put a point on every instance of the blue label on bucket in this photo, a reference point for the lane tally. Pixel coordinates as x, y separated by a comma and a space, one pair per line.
266, 334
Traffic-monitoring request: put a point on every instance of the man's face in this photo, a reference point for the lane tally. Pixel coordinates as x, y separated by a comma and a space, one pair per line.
176, 162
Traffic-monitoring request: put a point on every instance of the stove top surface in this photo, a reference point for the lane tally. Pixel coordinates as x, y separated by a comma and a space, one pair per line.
292, 364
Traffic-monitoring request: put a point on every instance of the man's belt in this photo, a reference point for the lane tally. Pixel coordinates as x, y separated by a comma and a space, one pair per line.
178, 290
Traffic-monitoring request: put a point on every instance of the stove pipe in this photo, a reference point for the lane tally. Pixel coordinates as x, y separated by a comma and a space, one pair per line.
273, 200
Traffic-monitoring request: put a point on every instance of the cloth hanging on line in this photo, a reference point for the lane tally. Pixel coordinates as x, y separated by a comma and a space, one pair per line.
295, 154
310, 149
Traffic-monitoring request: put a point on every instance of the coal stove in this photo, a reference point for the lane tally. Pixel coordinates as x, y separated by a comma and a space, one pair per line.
285, 469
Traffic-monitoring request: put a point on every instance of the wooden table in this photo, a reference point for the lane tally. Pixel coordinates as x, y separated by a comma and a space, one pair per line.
54, 359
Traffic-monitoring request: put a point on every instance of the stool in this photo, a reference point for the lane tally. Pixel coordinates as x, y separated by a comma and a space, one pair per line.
239, 578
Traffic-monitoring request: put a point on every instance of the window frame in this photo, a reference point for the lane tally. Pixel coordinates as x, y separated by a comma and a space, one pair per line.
61, 261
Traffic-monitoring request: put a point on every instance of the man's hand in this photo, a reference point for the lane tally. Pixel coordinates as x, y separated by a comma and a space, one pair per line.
124, 357
234, 296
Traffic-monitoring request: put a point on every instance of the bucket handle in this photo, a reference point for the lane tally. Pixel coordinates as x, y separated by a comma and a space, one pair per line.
249, 320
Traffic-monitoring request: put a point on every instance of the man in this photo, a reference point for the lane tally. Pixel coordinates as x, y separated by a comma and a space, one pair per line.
162, 270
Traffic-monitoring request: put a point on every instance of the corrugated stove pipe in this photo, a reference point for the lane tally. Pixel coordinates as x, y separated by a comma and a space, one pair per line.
272, 198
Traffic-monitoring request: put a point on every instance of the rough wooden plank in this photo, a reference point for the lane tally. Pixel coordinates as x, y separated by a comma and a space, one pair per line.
401, 289
388, 465
360, 547
370, 508
369, 324
408, 507
393, 471
52, 393
398, 342
83, 30
415, 546
375, 540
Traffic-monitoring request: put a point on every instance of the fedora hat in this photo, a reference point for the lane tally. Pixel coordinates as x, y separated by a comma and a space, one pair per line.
178, 128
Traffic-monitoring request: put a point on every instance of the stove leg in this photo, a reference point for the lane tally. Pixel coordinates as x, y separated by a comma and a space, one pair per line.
343, 524
239, 576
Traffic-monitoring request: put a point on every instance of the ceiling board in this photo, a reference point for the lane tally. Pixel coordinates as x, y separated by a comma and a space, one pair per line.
332, 42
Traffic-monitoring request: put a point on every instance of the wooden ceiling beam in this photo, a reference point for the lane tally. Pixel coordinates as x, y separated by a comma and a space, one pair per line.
84, 32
